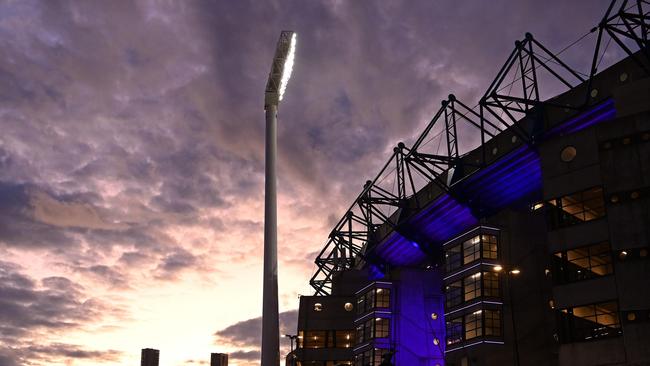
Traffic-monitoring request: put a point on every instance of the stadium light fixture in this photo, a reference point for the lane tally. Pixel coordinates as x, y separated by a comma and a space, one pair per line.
281, 68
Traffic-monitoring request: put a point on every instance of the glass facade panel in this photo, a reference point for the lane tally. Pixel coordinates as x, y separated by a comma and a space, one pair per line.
453, 294
588, 322
472, 286
315, 339
344, 338
374, 298
373, 328
454, 330
382, 327
371, 357
473, 325
453, 258
382, 298
471, 250
483, 246
576, 208
491, 284
492, 320
582, 263
489, 243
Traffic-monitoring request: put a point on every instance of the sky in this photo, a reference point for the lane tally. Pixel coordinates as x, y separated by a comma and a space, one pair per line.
132, 142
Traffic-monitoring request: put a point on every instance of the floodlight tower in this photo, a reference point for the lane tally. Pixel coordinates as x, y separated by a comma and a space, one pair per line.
277, 83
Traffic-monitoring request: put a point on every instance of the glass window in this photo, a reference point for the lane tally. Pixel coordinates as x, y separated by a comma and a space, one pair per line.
472, 286
368, 330
454, 329
492, 320
374, 298
453, 294
360, 334
382, 327
453, 258
379, 353
471, 249
315, 339
582, 263
344, 338
383, 298
576, 208
361, 304
301, 336
473, 326
491, 284
588, 322
489, 243
372, 357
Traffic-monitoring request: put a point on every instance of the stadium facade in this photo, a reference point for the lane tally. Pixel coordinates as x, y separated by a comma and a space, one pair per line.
530, 249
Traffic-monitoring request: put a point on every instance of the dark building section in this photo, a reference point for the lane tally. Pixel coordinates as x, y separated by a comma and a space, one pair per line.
150, 357
218, 359
532, 249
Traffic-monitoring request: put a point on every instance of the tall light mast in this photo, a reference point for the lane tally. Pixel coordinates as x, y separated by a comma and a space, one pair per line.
277, 83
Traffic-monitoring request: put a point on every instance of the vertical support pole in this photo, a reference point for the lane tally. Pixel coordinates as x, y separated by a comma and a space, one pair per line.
270, 321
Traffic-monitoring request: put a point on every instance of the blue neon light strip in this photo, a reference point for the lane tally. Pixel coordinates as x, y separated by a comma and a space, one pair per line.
605, 111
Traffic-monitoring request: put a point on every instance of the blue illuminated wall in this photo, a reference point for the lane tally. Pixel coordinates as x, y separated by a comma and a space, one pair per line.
418, 294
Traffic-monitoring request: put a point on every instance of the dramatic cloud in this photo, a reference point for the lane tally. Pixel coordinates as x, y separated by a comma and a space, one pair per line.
29, 309
246, 334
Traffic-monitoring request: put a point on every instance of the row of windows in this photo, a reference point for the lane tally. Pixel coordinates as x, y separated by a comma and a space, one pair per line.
480, 284
373, 328
374, 298
575, 208
371, 357
325, 339
477, 324
582, 263
588, 322
482, 246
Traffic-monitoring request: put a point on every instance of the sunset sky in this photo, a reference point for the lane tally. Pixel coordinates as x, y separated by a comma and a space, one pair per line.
131, 154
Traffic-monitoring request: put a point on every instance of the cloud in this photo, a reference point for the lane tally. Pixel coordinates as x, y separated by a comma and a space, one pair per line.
245, 355
53, 305
246, 335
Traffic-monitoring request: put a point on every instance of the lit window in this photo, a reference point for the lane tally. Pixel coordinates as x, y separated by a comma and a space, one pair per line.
382, 327
492, 319
343, 338
473, 325
471, 250
588, 322
576, 208
489, 243
491, 284
315, 339
472, 286
301, 336
582, 263
382, 298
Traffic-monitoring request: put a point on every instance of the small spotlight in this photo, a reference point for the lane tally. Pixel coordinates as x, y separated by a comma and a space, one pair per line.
498, 268
515, 271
